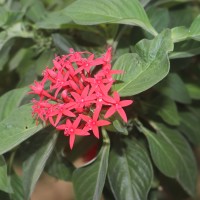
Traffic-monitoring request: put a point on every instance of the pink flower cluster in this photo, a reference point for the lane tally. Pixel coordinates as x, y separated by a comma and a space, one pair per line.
75, 95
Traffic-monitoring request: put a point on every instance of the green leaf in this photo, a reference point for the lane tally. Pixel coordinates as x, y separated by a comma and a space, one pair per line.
53, 20
93, 176
146, 68
17, 58
120, 127
4, 53
171, 2
89, 12
190, 126
16, 30
130, 172
183, 33
3, 16
174, 87
166, 109
36, 11
59, 167
4, 179
63, 44
10, 101
161, 22
45, 60
193, 90
17, 127
194, 30
34, 165
173, 156
17, 186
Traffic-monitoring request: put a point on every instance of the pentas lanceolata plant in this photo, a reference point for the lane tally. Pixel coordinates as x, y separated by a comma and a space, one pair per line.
76, 94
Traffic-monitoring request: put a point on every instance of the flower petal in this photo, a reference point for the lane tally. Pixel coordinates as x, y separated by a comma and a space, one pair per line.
95, 131
126, 103
110, 112
122, 114
102, 123
71, 140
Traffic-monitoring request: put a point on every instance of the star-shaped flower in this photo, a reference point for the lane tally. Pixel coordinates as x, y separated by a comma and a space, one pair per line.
117, 106
71, 130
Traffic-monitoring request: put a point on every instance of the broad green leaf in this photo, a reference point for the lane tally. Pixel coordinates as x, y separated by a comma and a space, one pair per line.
3, 16
17, 127
36, 11
190, 126
34, 165
173, 87
59, 167
92, 176
130, 172
89, 12
63, 44
17, 58
173, 156
193, 90
119, 126
17, 186
146, 67
45, 60
144, 2
165, 108
53, 20
4, 179
161, 22
182, 33
179, 34
4, 53
185, 49
168, 112
16, 30
171, 2
10, 101
194, 30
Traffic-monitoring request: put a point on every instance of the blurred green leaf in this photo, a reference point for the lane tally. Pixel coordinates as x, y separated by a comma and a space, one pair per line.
190, 126
45, 60
89, 12
161, 22
130, 172
4, 179
171, 2
193, 90
34, 165
194, 30
93, 176
173, 156
63, 43
3, 16
146, 68
35, 11
182, 33
17, 127
4, 53
59, 167
17, 58
120, 128
165, 108
173, 87
10, 101
53, 20
16, 30
16, 183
